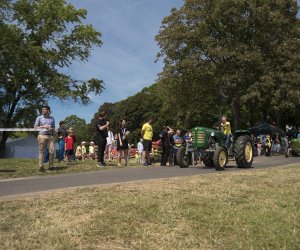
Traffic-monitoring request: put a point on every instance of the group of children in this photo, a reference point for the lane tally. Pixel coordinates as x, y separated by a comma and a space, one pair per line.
81, 152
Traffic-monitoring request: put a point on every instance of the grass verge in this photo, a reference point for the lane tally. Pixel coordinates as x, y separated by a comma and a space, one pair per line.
257, 209
14, 168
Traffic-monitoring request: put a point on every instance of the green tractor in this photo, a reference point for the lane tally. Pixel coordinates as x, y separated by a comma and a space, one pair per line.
294, 148
210, 145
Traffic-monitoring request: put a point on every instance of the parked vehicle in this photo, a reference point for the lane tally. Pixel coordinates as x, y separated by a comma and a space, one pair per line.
210, 145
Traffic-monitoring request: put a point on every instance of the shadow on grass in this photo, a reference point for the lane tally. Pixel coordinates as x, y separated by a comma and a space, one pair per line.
7, 170
57, 168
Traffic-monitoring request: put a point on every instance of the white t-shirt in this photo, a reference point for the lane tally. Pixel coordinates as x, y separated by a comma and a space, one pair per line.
110, 138
91, 149
140, 147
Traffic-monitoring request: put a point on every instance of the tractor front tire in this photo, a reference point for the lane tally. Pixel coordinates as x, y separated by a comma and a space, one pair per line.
220, 158
182, 158
244, 151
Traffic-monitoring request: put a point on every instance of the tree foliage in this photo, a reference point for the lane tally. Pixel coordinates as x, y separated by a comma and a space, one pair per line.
136, 110
37, 39
240, 57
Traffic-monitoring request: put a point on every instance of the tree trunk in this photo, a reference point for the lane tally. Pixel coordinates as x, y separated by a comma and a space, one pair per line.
3, 139
235, 108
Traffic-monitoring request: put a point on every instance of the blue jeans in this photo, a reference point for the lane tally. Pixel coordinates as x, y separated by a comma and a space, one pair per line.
46, 158
61, 149
227, 140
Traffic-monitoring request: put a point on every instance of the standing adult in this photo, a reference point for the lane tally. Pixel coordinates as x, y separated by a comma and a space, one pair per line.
166, 144
109, 142
147, 134
178, 140
122, 143
101, 135
268, 145
277, 144
172, 143
62, 134
46, 123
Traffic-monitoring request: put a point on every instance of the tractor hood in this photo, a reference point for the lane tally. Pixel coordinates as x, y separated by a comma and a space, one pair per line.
200, 136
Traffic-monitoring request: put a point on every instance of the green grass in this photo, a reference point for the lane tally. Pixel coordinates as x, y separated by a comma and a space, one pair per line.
13, 168
253, 209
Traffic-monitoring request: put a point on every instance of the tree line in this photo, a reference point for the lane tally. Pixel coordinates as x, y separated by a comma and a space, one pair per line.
238, 58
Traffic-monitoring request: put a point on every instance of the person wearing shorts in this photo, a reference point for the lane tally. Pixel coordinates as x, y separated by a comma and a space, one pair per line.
122, 143
69, 145
147, 134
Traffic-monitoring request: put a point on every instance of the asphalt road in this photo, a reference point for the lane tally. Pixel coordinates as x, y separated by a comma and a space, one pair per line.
12, 187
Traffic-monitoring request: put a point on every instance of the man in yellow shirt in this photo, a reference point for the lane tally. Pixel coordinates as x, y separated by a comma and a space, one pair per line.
225, 126
147, 134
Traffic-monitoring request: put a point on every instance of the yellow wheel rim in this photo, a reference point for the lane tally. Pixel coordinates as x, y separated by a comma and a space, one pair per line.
222, 158
248, 152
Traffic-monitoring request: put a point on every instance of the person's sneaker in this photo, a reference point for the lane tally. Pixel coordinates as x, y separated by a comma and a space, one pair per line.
42, 170
100, 165
103, 163
145, 164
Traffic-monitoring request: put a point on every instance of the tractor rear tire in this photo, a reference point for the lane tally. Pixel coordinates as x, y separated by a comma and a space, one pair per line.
220, 158
183, 160
208, 160
244, 151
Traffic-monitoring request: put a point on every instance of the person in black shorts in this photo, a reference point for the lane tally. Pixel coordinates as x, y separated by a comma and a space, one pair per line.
122, 142
147, 145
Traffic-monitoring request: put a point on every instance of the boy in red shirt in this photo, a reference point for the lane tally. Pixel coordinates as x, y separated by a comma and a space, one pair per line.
69, 146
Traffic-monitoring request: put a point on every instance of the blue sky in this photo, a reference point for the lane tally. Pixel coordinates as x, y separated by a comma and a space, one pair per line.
125, 62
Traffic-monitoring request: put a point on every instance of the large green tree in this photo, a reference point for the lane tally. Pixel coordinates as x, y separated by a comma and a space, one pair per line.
38, 38
237, 56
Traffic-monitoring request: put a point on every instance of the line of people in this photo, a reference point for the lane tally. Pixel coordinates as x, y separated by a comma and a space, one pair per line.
102, 132
105, 141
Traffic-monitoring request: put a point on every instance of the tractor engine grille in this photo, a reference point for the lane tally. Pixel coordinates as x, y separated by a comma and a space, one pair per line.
201, 137
193, 135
